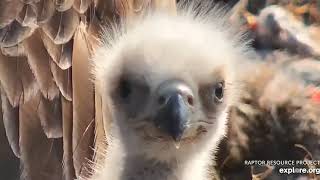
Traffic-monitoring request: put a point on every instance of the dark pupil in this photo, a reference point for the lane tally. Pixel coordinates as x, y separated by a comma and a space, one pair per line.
125, 89
219, 91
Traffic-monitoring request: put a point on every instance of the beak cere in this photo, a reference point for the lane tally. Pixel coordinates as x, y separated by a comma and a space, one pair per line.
174, 110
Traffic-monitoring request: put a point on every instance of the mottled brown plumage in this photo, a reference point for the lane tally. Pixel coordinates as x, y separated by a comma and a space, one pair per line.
274, 117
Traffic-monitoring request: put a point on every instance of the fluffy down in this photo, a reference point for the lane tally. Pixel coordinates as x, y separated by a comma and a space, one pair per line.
193, 53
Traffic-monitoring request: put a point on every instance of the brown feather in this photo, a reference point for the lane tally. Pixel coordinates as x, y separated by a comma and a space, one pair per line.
45, 10
61, 27
10, 79
29, 83
28, 15
63, 80
39, 156
50, 116
69, 171
63, 5
11, 124
14, 33
83, 102
39, 61
14, 51
61, 54
100, 130
9, 11
81, 5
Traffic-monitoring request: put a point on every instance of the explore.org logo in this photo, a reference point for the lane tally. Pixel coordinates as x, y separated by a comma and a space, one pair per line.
298, 170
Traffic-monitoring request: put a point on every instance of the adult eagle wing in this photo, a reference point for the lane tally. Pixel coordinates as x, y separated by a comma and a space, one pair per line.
51, 115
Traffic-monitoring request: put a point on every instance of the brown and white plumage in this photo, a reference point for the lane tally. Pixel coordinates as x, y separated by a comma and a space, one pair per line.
45, 80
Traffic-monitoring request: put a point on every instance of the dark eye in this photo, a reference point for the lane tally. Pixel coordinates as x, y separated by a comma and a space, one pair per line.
218, 91
125, 89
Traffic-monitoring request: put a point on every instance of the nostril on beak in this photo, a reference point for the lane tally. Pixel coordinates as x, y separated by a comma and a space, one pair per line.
190, 100
169, 89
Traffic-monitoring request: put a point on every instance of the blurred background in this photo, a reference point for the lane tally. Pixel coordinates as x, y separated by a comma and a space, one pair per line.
278, 118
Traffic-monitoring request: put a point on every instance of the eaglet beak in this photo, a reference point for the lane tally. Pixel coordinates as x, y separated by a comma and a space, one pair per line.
175, 100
